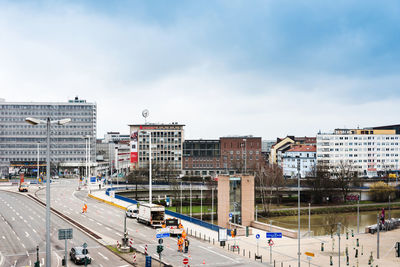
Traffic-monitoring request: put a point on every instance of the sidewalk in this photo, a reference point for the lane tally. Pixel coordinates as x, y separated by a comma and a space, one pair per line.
284, 250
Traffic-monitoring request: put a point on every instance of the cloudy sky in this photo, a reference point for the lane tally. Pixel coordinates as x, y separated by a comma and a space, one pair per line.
266, 68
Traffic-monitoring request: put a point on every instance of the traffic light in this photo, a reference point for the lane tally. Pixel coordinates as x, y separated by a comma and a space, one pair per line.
397, 249
160, 248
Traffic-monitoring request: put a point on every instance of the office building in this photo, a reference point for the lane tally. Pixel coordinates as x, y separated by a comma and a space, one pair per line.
201, 157
300, 159
19, 141
166, 146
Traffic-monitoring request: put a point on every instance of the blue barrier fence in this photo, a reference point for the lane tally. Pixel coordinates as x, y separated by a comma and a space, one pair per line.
174, 214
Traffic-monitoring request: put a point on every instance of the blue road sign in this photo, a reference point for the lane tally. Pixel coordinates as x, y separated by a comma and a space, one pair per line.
148, 261
162, 235
230, 215
258, 236
274, 235
92, 179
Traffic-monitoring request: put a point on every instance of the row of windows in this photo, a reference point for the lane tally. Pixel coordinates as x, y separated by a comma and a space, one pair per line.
44, 133
161, 158
162, 134
360, 155
244, 152
359, 149
49, 113
53, 107
53, 152
363, 143
58, 159
23, 119
358, 137
53, 126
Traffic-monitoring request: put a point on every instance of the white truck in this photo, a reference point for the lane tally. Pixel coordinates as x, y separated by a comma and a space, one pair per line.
151, 214
174, 226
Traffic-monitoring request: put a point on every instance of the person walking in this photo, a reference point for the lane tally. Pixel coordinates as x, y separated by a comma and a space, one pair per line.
186, 245
180, 244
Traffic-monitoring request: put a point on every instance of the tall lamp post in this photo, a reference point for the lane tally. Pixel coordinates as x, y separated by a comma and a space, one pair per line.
298, 204
38, 158
48, 122
87, 141
150, 178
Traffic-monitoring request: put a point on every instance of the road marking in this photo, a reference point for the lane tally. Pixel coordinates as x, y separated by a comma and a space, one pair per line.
118, 233
99, 223
108, 228
23, 245
26, 234
13, 218
18, 237
103, 256
90, 219
218, 254
27, 253
3, 238
34, 230
15, 263
30, 217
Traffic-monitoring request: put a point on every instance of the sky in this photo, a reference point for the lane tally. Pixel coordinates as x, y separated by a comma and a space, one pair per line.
263, 68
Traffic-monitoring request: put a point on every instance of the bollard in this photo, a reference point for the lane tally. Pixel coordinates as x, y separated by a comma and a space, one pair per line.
352, 233
238, 250
274, 263
330, 261
356, 256
362, 250
347, 260
249, 254
213, 241
358, 244
322, 246
371, 259
191, 232
244, 252
347, 235
195, 234
209, 240
281, 264
228, 246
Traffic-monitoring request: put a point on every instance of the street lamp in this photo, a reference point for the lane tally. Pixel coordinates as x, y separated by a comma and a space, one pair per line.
87, 146
35, 121
38, 158
298, 204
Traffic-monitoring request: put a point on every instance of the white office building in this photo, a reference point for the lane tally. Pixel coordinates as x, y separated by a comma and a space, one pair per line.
371, 152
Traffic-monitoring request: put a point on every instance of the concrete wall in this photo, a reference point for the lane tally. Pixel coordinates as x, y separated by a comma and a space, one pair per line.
267, 227
223, 201
247, 200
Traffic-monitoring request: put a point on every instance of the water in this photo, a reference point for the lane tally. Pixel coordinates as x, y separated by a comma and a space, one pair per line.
323, 224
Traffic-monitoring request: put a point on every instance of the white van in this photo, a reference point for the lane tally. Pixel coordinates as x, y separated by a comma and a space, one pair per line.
132, 211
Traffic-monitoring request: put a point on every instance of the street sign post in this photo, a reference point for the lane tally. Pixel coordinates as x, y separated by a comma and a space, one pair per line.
162, 235
65, 234
258, 238
274, 235
185, 261
310, 255
85, 252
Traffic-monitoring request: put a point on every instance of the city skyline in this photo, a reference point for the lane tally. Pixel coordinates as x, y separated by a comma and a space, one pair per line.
223, 68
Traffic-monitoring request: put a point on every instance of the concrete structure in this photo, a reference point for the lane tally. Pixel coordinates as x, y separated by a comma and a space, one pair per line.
18, 139
166, 146
306, 154
236, 196
368, 151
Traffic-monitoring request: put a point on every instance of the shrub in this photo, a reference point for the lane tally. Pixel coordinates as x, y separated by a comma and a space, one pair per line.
380, 191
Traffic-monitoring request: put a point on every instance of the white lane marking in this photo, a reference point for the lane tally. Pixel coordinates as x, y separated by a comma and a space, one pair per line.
118, 233
34, 231
18, 238
13, 218
102, 256
58, 259
17, 213
27, 253
108, 228
15, 263
90, 219
99, 224
26, 234
218, 254
30, 217
23, 245
4, 237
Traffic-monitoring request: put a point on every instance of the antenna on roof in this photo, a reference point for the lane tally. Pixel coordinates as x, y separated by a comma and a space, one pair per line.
145, 114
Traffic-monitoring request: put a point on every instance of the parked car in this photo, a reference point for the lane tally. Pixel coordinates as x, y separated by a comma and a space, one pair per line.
79, 254
132, 211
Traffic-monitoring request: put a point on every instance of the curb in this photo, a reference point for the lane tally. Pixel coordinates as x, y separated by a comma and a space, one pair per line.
107, 202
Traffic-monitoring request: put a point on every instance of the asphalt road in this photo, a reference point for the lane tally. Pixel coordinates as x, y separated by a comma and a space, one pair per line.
108, 221
22, 229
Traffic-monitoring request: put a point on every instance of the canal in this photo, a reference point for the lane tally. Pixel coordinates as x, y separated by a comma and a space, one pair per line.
323, 224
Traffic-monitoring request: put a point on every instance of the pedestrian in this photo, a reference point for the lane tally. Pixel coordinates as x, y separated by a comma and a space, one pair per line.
186, 245
99, 186
180, 244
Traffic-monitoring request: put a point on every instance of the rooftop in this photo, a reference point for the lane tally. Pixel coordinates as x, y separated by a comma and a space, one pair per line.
303, 149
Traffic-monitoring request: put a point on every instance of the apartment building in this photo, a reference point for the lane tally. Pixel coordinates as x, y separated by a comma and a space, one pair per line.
21, 143
201, 157
371, 152
300, 159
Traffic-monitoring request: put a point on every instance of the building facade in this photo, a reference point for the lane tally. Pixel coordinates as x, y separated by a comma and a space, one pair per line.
240, 153
166, 146
284, 144
370, 152
20, 142
201, 157
300, 159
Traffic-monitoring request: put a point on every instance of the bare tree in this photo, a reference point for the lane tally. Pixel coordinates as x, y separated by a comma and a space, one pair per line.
320, 182
345, 175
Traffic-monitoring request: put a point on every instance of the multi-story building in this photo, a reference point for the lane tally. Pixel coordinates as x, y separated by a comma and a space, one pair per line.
113, 154
19, 141
201, 157
166, 146
240, 153
284, 144
299, 159
369, 151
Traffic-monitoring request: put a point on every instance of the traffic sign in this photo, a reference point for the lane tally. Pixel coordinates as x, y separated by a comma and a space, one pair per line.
160, 241
230, 215
64, 234
310, 254
148, 261
274, 235
258, 236
84, 245
162, 235
270, 242
185, 261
